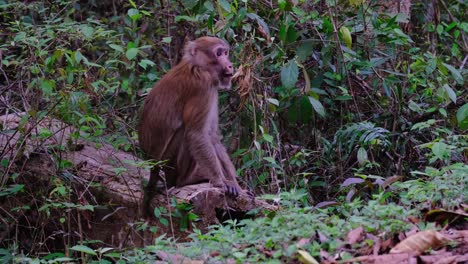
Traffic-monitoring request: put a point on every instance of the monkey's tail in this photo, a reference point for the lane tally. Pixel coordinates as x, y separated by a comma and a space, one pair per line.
150, 190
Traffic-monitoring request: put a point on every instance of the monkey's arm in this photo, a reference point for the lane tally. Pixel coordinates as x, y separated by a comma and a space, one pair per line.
228, 168
196, 115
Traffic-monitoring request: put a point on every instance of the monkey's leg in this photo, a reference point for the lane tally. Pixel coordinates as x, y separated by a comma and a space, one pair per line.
197, 162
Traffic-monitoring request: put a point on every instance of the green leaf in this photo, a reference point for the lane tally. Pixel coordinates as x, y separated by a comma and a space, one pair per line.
131, 53
257, 144
116, 47
268, 138
327, 25
166, 40
346, 35
362, 156
157, 212
134, 14
462, 117
455, 73
440, 150
415, 107
443, 112
431, 66
78, 56
451, 93
225, 5
185, 18
270, 160
282, 4
291, 35
273, 101
289, 74
164, 221
47, 87
145, 62
260, 22
318, 107
87, 31
84, 249
304, 51
283, 32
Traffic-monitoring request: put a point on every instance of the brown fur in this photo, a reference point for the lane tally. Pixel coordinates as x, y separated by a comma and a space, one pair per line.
179, 121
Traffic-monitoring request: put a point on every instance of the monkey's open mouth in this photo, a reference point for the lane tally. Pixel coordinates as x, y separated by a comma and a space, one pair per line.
227, 75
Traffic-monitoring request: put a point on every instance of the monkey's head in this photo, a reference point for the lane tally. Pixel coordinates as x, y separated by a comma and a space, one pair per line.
212, 55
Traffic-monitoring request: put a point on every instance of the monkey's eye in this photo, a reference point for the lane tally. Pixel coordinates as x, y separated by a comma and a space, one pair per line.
219, 52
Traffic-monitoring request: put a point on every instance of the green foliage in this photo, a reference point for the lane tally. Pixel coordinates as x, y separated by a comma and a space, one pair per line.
446, 187
328, 92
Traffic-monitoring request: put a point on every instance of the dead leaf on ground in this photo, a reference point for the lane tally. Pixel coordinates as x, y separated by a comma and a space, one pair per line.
387, 259
390, 180
420, 242
306, 258
354, 235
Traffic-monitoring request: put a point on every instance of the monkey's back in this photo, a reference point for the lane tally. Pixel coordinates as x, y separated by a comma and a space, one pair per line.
162, 114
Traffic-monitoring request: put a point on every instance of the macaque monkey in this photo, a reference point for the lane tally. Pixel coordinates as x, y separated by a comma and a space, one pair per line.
179, 121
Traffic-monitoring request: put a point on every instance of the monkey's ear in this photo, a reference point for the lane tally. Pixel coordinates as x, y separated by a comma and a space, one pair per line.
190, 49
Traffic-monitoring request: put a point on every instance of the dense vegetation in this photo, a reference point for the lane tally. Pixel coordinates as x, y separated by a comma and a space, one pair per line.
340, 104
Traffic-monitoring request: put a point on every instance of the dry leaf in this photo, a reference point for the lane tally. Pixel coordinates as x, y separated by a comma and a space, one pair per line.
305, 257
354, 235
420, 242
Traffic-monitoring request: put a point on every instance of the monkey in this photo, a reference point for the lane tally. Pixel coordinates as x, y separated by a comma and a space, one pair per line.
179, 121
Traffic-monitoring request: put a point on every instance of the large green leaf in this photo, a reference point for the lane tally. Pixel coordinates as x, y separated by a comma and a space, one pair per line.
451, 93
47, 87
440, 150
462, 116
346, 35
318, 107
84, 249
455, 73
304, 51
131, 53
289, 74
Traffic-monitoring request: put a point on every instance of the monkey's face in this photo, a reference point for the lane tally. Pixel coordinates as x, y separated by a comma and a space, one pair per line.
223, 66
212, 55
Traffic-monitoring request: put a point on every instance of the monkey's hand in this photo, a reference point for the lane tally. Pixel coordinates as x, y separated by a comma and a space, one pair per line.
231, 190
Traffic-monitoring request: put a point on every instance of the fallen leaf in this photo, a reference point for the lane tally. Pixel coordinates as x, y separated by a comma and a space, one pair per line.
354, 235
387, 259
420, 242
305, 257
302, 242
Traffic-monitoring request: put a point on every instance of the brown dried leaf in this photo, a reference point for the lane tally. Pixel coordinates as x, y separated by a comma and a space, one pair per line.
302, 242
387, 259
420, 242
322, 237
264, 34
354, 235
326, 204
388, 181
